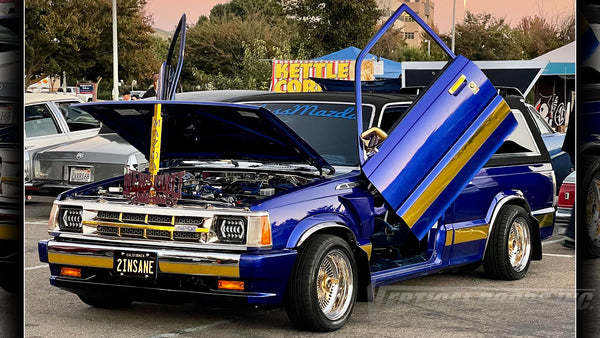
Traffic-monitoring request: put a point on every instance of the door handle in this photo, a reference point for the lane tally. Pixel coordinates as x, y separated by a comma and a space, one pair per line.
458, 85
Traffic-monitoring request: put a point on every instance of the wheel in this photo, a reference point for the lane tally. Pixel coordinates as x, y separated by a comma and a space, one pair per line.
322, 287
105, 302
589, 236
508, 252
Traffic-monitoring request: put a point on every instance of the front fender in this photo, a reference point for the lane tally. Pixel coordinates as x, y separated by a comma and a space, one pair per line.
310, 225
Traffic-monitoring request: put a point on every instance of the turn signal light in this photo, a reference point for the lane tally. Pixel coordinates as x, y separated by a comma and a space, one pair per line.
70, 272
231, 285
265, 231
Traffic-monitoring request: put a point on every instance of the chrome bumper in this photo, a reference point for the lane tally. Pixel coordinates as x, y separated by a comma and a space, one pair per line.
169, 260
563, 215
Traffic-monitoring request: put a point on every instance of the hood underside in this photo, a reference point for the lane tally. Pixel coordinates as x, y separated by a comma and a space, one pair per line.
193, 130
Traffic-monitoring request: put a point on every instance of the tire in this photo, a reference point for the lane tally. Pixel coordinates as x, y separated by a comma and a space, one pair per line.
105, 302
323, 285
509, 249
588, 235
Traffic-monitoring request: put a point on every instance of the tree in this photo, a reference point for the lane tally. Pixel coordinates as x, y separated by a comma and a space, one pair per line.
75, 36
55, 35
540, 35
325, 26
483, 37
219, 47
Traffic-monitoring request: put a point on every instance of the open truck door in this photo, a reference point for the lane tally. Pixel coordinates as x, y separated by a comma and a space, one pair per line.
442, 141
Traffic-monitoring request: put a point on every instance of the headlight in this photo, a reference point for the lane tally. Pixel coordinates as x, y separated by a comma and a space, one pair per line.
231, 229
70, 219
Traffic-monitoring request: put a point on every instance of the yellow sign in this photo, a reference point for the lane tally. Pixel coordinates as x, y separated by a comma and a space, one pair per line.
291, 76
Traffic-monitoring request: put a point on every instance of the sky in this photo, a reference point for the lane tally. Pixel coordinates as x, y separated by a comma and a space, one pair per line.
166, 13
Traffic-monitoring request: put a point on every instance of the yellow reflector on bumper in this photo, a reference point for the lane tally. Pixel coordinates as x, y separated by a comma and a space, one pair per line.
70, 272
231, 285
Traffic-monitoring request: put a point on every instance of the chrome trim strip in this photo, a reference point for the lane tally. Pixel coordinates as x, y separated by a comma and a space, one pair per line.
321, 226
151, 244
94, 206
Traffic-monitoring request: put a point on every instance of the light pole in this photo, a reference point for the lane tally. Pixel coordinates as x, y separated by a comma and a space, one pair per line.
115, 94
453, 23
428, 47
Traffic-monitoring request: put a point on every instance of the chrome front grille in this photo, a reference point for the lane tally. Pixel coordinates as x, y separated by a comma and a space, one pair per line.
108, 215
151, 226
133, 218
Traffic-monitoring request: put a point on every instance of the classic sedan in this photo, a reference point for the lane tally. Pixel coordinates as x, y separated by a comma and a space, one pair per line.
73, 164
49, 121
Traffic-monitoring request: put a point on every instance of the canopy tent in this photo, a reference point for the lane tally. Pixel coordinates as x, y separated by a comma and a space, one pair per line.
561, 61
391, 69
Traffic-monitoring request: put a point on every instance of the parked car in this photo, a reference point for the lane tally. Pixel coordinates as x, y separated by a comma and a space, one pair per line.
566, 200
306, 200
553, 140
73, 164
50, 120
73, 91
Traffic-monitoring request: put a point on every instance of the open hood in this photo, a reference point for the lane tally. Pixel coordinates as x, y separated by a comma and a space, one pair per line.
207, 131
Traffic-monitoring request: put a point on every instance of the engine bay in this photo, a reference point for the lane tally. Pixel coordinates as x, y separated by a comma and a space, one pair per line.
207, 187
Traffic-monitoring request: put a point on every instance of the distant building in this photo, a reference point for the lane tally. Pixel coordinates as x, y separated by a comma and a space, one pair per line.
411, 30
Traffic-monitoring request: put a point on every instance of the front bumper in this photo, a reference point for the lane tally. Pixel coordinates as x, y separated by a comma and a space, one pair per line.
35, 190
183, 275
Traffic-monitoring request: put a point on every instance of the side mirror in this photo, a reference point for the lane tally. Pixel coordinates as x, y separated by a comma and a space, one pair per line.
372, 139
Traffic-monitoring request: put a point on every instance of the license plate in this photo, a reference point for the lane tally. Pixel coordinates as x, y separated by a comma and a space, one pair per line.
135, 264
6, 115
80, 175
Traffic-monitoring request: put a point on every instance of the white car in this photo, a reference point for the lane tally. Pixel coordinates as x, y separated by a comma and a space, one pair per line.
50, 121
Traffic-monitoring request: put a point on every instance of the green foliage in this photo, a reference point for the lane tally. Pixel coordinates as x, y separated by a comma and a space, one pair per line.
484, 37
325, 26
233, 46
75, 36
540, 35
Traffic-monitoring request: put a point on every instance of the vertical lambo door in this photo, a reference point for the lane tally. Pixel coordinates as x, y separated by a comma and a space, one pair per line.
442, 141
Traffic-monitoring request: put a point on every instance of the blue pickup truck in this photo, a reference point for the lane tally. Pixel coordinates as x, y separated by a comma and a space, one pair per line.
307, 201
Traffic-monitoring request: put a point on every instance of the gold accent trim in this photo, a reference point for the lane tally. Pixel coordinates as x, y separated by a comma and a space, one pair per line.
106, 262
449, 237
462, 79
545, 220
139, 226
471, 234
368, 248
66, 259
447, 174
196, 269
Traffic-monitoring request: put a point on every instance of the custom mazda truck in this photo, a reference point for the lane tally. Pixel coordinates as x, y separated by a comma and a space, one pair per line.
309, 202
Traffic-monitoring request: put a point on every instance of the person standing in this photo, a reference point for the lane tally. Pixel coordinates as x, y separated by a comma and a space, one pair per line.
152, 90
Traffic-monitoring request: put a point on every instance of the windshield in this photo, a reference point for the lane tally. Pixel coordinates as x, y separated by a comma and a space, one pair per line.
330, 128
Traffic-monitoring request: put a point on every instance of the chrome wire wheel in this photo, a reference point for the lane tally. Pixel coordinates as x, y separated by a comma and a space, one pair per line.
334, 284
519, 244
592, 210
